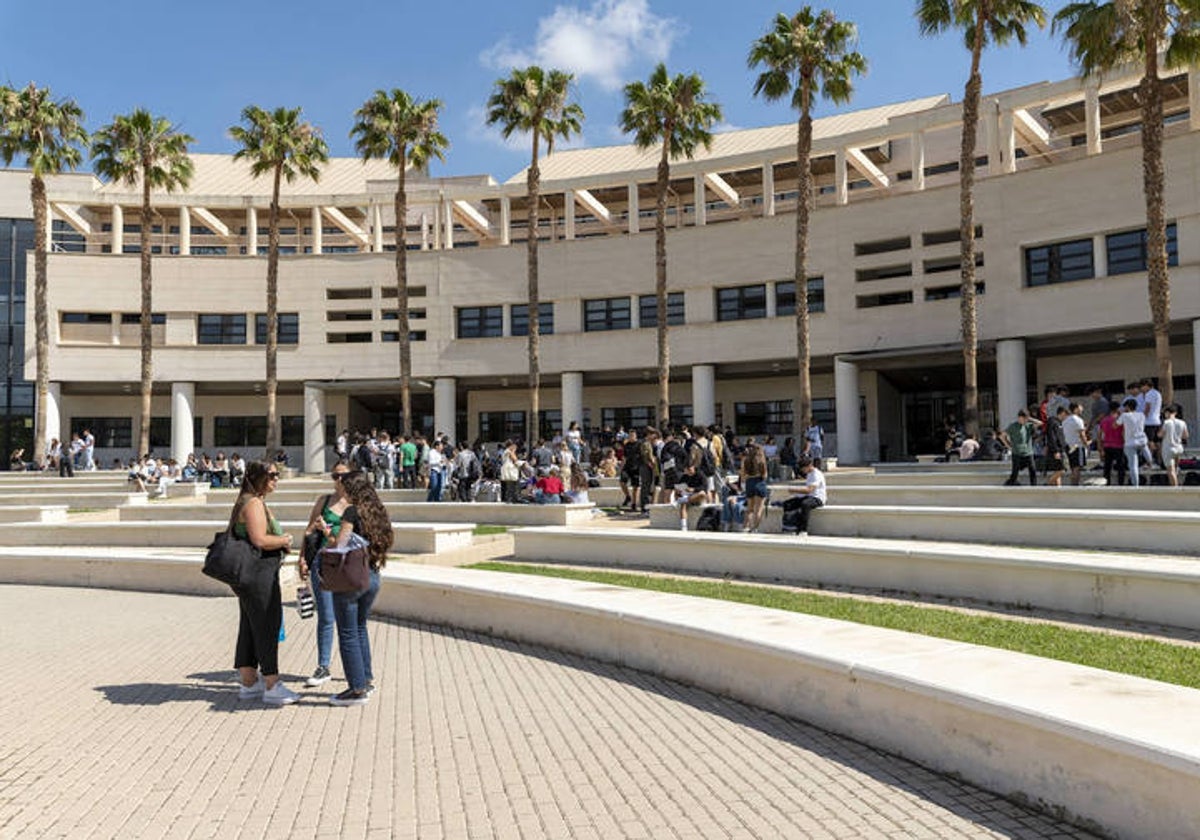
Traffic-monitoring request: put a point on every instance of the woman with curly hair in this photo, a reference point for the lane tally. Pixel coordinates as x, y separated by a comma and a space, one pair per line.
367, 517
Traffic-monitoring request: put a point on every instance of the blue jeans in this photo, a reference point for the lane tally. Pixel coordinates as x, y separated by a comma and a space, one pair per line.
1133, 452
324, 603
351, 610
435, 486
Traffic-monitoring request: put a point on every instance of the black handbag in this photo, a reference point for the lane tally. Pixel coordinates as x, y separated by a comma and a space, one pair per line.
231, 560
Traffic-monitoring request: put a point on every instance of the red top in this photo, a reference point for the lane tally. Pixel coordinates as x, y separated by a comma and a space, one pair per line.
1111, 436
551, 485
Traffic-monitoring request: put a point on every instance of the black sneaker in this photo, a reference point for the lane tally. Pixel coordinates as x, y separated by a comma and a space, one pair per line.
320, 676
349, 697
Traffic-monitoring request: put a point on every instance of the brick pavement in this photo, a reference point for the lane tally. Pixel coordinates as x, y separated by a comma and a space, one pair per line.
120, 719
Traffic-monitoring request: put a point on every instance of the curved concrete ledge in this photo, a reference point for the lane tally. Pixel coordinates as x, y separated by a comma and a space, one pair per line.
488, 513
1093, 746
1051, 498
836, 479
1147, 588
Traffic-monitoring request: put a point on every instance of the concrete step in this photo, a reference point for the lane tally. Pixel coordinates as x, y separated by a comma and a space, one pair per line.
80, 499
488, 513
933, 479
33, 513
1062, 498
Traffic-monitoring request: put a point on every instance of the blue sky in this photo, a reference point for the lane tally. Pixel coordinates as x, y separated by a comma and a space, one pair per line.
199, 64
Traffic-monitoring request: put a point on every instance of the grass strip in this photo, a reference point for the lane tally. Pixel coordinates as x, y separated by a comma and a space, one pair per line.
1141, 657
485, 530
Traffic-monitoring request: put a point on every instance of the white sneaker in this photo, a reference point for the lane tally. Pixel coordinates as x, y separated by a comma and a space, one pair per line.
279, 695
252, 692
682, 524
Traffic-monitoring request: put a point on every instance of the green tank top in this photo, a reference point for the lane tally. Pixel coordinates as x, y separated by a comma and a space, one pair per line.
273, 527
333, 520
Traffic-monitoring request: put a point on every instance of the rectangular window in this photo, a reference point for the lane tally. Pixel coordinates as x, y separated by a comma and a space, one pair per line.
1060, 262
160, 433
520, 318
337, 317
763, 418
480, 321
941, 237
86, 318
413, 292
157, 319
287, 328
239, 431
882, 246
948, 292
648, 310
945, 264
495, 426
741, 303
631, 417
883, 272
110, 432
393, 336
350, 294
1127, 250
291, 430
348, 338
606, 314
890, 299
221, 329
785, 296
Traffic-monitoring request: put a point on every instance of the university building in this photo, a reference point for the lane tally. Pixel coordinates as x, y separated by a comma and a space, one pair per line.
1062, 283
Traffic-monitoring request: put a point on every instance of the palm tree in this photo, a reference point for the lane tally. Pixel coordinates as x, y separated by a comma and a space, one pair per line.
980, 20
49, 134
395, 126
805, 55
1102, 36
277, 142
673, 111
142, 148
534, 101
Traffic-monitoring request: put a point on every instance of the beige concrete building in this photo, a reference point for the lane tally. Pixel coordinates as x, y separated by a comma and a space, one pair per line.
1062, 275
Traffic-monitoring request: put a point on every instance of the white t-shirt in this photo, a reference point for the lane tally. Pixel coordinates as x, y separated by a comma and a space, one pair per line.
1133, 424
1152, 405
1173, 432
815, 482
1073, 430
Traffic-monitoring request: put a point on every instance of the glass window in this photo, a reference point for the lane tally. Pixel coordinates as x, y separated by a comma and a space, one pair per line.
239, 431
160, 433
955, 291
763, 418
520, 318
221, 329
480, 321
393, 336
785, 296
605, 314
110, 432
886, 299
348, 338
1127, 250
1060, 262
86, 318
291, 430
741, 303
648, 310
631, 417
501, 425
287, 332
156, 318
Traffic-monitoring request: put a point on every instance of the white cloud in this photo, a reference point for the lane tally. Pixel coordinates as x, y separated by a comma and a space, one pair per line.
600, 43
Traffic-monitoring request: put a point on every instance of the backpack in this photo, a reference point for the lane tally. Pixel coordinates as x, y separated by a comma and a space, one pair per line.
473, 469
1191, 479
710, 519
708, 464
362, 457
726, 455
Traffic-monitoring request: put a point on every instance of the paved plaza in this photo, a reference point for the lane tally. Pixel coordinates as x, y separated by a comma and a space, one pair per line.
121, 720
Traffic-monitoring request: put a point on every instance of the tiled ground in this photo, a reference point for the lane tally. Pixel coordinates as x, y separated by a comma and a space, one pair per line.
120, 719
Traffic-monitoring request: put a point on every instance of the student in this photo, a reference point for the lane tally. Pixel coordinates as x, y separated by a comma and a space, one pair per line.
753, 477
549, 488
1056, 447
1174, 435
1018, 437
805, 499
1075, 435
690, 490
325, 517
1111, 441
1133, 427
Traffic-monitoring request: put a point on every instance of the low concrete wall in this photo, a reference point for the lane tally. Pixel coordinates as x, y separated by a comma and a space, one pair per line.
33, 513
81, 499
1049, 498
488, 513
857, 479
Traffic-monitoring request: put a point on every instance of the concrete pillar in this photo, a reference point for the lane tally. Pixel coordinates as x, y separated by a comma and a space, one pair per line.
1194, 106
572, 399
699, 200
1091, 115
849, 437
448, 224
317, 239
185, 231
1008, 141
635, 313
424, 231
53, 417
1100, 254
377, 228
1010, 379
1195, 418
635, 221
118, 229
990, 111
768, 189
704, 394
314, 429
505, 220
183, 418
841, 180
917, 154
251, 232
772, 310
569, 214
444, 405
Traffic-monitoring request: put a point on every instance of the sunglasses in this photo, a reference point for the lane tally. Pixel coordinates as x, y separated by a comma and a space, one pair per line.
338, 476
273, 476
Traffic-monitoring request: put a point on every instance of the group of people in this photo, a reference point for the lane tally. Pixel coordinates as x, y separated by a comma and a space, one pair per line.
79, 453
351, 507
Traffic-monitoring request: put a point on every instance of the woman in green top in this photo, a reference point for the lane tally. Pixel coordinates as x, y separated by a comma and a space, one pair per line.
260, 603
326, 519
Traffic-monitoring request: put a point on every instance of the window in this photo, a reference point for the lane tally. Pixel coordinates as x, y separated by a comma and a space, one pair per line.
550, 423
501, 425
606, 314
1127, 250
941, 237
350, 294
156, 318
632, 417
287, 328
349, 316
741, 303
394, 336
479, 321
785, 296
1060, 262
291, 430
883, 272
110, 432
86, 318
648, 310
763, 418
160, 433
889, 299
414, 315
520, 318
945, 264
220, 329
413, 292
948, 292
239, 431
882, 246
348, 338
331, 429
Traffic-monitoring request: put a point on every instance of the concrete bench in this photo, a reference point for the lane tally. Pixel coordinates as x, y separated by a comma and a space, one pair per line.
33, 513
411, 538
940, 467
488, 513
839, 479
1050, 498
83, 499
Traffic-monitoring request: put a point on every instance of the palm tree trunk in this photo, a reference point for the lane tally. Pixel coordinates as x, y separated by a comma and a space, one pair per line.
966, 233
660, 277
1156, 223
401, 208
803, 208
37, 192
273, 314
144, 320
533, 186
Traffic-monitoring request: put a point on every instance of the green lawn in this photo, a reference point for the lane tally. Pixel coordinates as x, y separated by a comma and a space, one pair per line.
484, 530
1151, 658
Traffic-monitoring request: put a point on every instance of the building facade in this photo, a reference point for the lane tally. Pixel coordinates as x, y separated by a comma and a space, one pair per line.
1061, 275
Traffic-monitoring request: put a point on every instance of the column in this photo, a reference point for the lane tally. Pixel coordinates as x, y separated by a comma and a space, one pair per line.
1091, 115
635, 221
183, 414
699, 200
314, 429
505, 220
53, 418
849, 437
990, 111
448, 221
118, 229
444, 407
1194, 105
251, 232
1008, 141
569, 213
1196, 367
317, 241
635, 313
572, 399
1100, 254
840, 179
704, 394
772, 310
377, 228
185, 231
1010, 379
768, 189
917, 154
424, 231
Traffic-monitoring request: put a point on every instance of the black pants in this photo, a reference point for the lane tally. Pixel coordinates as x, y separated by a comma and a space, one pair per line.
258, 632
796, 511
464, 489
1020, 462
1114, 456
646, 481
509, 491
66, 469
